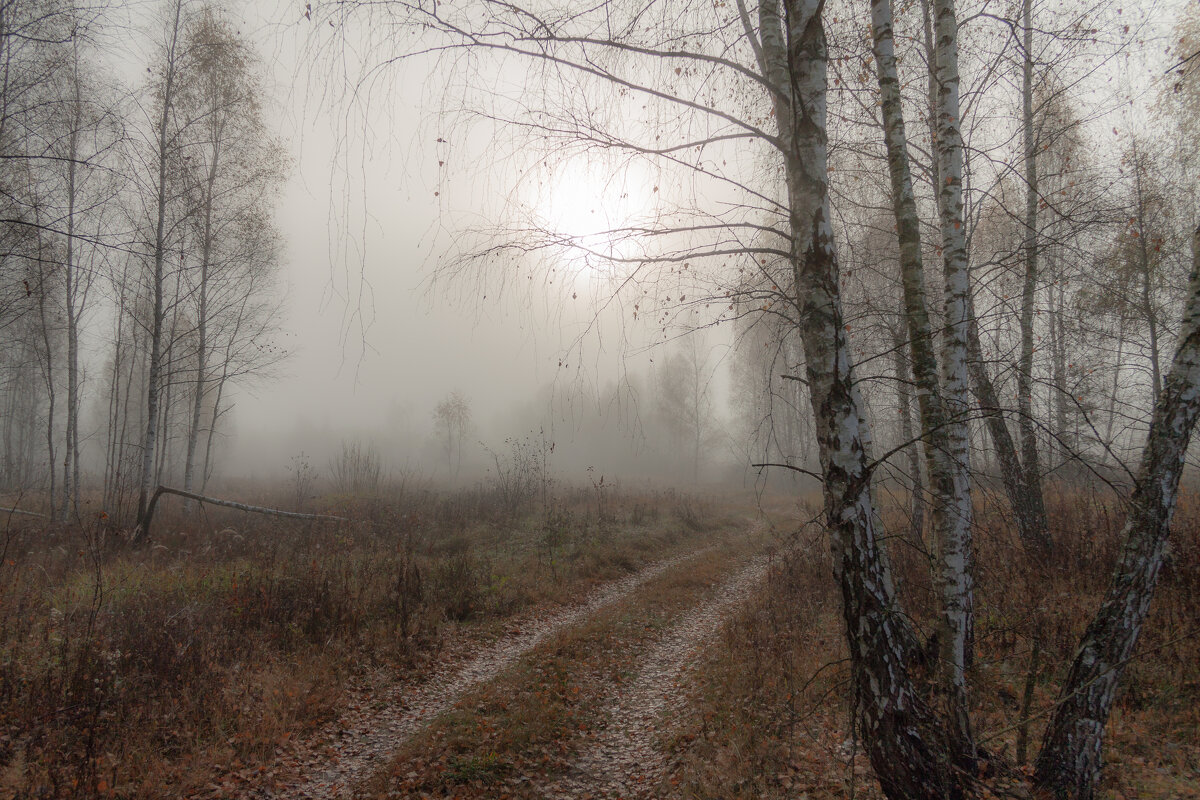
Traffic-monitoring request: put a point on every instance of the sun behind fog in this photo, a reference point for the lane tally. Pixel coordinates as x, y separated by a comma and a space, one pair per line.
591, 204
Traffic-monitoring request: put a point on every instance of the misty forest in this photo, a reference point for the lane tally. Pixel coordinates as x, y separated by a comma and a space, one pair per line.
646, 399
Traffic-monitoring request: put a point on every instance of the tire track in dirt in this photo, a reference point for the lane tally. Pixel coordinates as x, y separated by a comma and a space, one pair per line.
623, 761
365, 736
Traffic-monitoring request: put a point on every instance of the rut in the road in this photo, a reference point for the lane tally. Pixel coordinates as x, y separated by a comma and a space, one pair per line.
364, 738
623, 761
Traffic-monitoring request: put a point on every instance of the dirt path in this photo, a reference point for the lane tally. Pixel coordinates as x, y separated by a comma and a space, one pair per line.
623, 761
372, 729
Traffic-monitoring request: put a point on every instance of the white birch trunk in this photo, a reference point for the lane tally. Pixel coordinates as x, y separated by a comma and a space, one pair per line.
896, 726
955, 582
1071, 759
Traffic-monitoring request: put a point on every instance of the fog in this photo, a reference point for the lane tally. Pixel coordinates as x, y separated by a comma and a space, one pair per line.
600, 269
388, 171
375, 342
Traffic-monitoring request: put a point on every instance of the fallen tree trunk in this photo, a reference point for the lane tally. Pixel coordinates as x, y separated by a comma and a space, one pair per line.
143, 530
24, 513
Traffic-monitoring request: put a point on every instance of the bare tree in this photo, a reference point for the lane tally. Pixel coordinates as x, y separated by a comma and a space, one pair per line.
452, 423
237, 166
684, 404
759, 78
164, 218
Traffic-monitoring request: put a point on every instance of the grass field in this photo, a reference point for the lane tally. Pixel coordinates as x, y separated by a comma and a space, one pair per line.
190, 666
143, 672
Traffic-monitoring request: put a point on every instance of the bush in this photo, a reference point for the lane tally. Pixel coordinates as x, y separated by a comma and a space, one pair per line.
358, 472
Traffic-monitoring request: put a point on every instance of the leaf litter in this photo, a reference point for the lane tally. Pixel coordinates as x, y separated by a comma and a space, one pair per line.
348, 751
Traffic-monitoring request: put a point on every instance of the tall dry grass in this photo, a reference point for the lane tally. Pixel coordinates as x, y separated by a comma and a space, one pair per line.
146, 672
772, 706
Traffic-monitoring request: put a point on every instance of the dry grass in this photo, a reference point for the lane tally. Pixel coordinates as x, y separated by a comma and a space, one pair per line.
147, 672
512, 735
770, 710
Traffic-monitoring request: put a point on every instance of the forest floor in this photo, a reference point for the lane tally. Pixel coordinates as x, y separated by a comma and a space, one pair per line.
567, 702
651, 646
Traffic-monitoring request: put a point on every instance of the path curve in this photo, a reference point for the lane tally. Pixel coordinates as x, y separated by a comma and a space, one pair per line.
623, 761
365, 736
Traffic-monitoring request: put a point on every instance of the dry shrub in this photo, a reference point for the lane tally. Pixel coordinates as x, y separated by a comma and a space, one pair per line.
144, 671
773, 704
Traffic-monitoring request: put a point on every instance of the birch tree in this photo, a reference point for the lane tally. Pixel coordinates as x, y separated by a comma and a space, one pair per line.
956, 580
237, 166
943, 432
757, 78
164, 218
1072, 749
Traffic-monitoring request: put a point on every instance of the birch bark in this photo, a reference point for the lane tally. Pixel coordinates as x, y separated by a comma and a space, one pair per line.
956, 587
1071, 757
895, 723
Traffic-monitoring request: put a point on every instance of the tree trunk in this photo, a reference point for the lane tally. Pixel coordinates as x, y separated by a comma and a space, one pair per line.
71, 445
1116, 388
944, 437
1025, 419
202, 323
912, 450
48, 374
1028, 507
1064, 441
1030, 515
154, 378
955, 556
1072, 749
895, 723
206, 472
1147, 293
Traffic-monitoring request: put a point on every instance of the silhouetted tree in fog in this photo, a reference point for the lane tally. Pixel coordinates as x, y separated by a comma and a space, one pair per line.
452, 424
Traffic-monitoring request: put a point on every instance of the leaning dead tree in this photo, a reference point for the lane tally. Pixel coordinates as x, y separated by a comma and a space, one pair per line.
143, 531
23, 513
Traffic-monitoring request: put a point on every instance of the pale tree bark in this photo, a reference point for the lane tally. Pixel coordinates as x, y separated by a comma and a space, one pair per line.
943, 436
1027, 508
1025, 421
955, 553
159, 246
1072, 749
895, 723
912, 451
